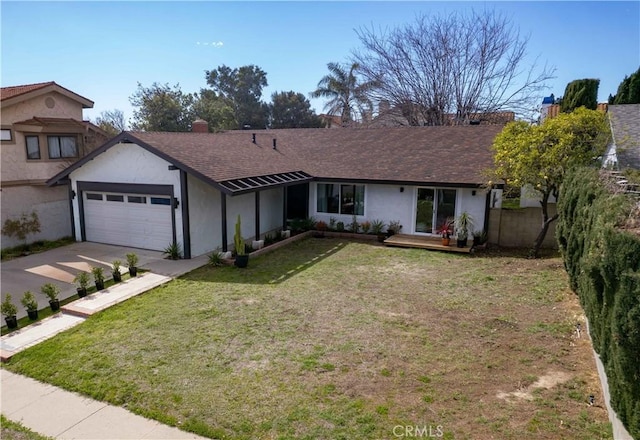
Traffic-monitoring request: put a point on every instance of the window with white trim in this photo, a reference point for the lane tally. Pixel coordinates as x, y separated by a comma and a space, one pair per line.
6, 135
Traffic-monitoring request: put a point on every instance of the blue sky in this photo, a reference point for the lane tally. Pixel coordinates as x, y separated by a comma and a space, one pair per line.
101, 50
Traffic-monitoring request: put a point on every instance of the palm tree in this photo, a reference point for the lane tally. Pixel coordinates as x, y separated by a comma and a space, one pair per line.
347, 96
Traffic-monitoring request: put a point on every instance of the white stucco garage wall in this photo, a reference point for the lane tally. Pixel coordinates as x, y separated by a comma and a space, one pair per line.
205, 220
127, 163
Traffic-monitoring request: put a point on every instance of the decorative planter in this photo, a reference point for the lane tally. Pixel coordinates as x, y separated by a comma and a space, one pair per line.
446, 241
12, 321
461, 243
117, 277
82, 292
241, 261
99, 285
33, 315
54, 304
133, 271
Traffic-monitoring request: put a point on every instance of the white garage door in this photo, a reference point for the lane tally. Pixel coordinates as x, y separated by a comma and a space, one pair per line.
135, 220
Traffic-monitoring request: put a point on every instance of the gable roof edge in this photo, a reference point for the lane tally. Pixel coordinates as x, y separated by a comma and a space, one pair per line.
130, 138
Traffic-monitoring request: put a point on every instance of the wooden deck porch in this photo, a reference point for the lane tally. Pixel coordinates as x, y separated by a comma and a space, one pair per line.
422, 242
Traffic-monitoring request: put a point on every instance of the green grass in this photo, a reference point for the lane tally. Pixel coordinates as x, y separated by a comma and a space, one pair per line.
10, 430
34, 248
327, 339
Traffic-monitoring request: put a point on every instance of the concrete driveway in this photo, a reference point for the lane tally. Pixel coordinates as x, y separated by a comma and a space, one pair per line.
60, 266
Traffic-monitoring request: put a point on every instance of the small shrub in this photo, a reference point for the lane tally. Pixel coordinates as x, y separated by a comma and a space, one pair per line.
82, 280
98, 274
340, 227
132, 259
354, 226
394, 227
321, 226
173, 251
29, 301
309, 224
366, 227
216, 260
50, 290
269, 239
332, 223
8, 308
377, 226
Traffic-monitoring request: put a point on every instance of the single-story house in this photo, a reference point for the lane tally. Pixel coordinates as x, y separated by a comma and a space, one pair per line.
150, 189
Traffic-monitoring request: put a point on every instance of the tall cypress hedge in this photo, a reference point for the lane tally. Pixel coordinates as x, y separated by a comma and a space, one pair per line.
603, 262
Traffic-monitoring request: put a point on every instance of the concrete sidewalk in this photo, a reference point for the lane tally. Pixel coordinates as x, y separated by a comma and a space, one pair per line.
61, 414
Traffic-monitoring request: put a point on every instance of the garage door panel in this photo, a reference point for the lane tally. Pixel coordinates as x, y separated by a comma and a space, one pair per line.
126, 223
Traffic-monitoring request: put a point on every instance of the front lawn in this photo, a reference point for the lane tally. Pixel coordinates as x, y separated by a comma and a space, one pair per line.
328, 339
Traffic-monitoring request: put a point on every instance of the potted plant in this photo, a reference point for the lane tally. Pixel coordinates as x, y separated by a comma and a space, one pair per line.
30, 304
52, 291
366, 227
98, 277
9, 311
463, 223
115, 271
132, 261
82, 282
242, 259
479, 238
393, 228
445, 232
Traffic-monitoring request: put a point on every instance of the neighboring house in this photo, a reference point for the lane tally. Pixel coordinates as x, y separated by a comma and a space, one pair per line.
394, 117
624, 150
146, 190
42, 133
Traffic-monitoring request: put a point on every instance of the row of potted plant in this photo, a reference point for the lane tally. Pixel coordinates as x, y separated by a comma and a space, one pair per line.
374, 227
51, 291
462, 225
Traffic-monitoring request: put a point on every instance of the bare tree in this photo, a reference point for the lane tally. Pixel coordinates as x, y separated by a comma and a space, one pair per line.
111, 121
455, 64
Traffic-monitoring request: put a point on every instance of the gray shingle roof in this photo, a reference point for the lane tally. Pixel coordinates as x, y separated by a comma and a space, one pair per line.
625, 128
455, 155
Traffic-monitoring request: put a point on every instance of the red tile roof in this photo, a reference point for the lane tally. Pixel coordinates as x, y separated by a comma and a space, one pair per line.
10, 92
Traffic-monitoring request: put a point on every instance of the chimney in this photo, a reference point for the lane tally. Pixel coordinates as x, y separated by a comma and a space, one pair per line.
200, 126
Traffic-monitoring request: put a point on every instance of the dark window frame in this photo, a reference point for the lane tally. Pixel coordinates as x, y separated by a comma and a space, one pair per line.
95, 196
60, 137
11, 139
26, 146
142, 200
115, 198
340, 206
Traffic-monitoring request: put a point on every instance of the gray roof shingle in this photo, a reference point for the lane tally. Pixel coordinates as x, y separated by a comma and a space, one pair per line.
625, 128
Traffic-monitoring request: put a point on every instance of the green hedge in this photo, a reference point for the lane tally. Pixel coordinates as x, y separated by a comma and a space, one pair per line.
603, 262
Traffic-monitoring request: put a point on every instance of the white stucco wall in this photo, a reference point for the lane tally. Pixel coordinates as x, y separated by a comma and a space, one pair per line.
50, 204
245, 206
204, 217
127, 163
271, 207
475, 205
387, 203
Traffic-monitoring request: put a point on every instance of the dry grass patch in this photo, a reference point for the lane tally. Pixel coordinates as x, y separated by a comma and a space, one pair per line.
327, 339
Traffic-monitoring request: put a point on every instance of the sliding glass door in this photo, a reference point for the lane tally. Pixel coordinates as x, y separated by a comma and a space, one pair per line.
433, 207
